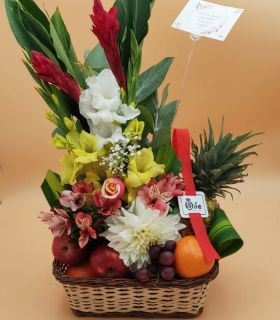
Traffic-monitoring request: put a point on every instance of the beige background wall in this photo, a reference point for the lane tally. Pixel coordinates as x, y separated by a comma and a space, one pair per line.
238, 78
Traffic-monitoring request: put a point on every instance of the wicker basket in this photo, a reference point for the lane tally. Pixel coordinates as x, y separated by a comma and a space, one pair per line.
178, 298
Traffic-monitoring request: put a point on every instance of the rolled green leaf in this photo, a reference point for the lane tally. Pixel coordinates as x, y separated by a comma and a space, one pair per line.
223, 236
52, 188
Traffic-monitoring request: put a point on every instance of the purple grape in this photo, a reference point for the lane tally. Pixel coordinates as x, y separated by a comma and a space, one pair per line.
167, 273
154, 268
170, 245
143, 274
166, 258
155, 251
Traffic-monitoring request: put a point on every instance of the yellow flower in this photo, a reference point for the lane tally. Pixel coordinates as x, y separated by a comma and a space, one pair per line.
60, 142
70, 168
84, 146
134, 129
70, 124
141, 169
93, 172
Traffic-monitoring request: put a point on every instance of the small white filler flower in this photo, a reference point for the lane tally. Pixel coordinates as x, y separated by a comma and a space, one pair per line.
133, 233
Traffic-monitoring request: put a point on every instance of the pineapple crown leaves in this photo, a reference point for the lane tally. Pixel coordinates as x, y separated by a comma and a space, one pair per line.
217, 165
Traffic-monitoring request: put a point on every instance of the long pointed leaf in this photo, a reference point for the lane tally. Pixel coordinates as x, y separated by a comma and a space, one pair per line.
21, 34
166, 115
151, 79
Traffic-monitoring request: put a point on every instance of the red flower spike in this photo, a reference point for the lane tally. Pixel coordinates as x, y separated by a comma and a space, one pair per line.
47, 70
106, 28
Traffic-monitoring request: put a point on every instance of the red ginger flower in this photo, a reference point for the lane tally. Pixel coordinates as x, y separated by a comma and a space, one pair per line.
106, 28
47, 70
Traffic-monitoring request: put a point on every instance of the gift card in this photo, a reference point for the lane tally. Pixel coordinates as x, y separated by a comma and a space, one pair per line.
193, 204
207, 19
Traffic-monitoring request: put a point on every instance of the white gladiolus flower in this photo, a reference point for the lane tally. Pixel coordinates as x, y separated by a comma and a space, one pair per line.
101, 102
133, 233
106, 132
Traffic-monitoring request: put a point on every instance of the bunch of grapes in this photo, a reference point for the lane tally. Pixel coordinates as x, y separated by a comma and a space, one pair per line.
162, 262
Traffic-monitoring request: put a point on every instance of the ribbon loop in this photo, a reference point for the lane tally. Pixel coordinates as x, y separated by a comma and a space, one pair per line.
181, 145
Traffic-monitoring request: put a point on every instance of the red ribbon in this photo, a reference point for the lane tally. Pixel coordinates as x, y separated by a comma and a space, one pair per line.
181, 145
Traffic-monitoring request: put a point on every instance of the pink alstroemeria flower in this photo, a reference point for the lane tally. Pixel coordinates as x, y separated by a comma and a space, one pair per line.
84, 222
82, 187
107, 206
175, 182
72, 200
59, 223
155, 195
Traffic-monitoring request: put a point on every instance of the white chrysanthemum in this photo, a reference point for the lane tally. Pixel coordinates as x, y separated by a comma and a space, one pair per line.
101, 102
138, 229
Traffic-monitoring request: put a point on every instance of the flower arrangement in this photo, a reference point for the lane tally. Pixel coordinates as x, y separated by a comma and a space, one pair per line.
117, 194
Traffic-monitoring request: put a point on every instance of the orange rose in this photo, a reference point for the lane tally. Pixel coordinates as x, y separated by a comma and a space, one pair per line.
113, 188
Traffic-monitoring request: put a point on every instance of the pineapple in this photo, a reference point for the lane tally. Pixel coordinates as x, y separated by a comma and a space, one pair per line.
216, 167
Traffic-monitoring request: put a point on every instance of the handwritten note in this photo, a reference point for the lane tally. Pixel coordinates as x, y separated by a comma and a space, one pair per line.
207, 19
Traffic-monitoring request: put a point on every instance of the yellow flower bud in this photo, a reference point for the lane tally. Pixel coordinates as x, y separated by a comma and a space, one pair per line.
60, 142
123, 93
70, 124
51, 117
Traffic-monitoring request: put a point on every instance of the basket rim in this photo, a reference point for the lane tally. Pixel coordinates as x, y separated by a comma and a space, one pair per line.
126, 282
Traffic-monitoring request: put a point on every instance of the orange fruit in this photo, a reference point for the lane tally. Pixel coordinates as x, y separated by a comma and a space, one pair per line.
190, 261
83, 270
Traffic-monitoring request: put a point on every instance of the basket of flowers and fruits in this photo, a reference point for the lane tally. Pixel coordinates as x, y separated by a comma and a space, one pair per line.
121, 247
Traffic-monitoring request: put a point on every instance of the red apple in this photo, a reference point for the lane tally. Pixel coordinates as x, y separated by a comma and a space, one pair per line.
67, 252
106, 263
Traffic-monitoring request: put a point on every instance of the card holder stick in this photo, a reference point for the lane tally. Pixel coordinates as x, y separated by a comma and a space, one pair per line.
194, 38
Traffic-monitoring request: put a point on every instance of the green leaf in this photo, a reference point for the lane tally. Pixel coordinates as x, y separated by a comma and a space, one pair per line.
58, 131
47, 99
61, 102
86, 53
61, 31
132, 15
79, 127
121, 17
62, 55
167, 156
32, 72
164, 95
166, 115
161, 138
211, 136
142, 11
151, 79
151, 103
152, 3
66, 43
35, 28
32, 8
22, 36
97, 59
148, 120
48, 53
52, 188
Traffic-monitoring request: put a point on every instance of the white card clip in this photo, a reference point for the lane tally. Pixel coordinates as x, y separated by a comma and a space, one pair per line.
193, 204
